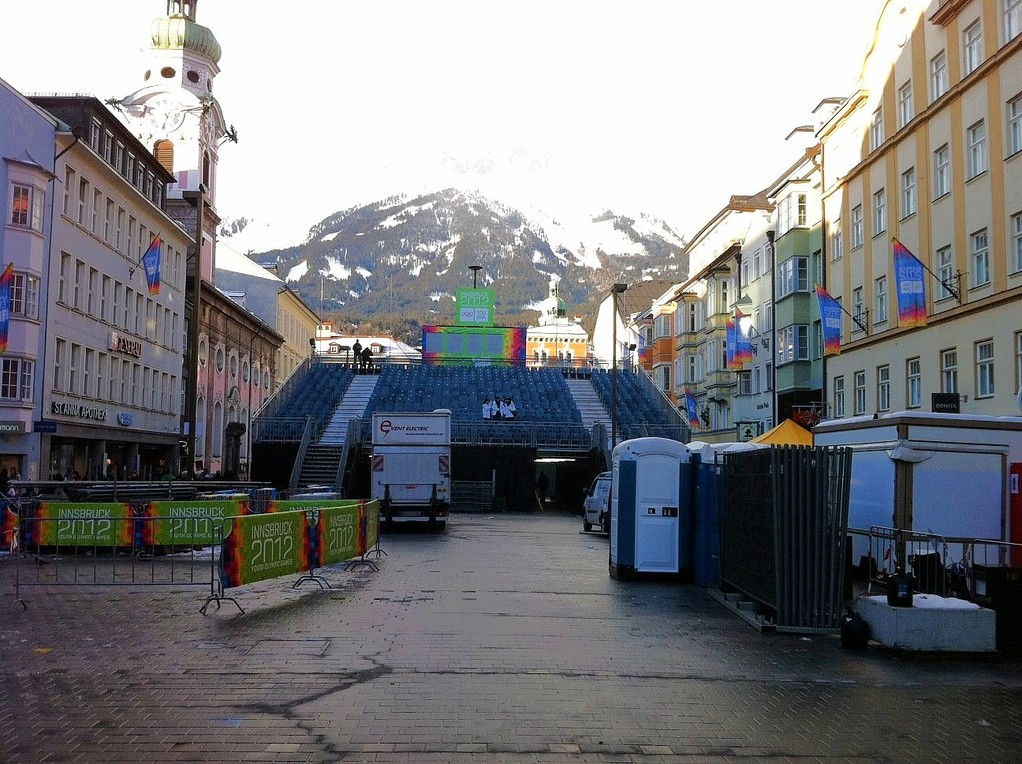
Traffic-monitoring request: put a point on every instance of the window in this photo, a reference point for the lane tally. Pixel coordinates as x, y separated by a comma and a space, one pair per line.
792, 211
26, 207
879, 212
1015, 124
883, 388
941, 171
908, 192
97, 209
25, 296
858, 308
792, 276
87, 374
949, 371
839, 397
16, 376
757, 264
76, 291
880, 299
856, 226
73, 367
905, 108
860, 392
876, 129
1018, 360
793, 343
83, 199
836, 244
985, 369
972, 47
1012, 19
219, 359
976, 138
745, 272
945, 271
980, 259
69, 184
1015, 247
101, 374
938, 76
90, 298
108, 222
745, 383
914, 383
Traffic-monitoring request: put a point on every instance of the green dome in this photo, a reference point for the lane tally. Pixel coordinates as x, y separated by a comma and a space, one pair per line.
177, 32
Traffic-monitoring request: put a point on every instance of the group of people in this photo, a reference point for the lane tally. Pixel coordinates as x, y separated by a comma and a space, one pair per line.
362, 356
499, 409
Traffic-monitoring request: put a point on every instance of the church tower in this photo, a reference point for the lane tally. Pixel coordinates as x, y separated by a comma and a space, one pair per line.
175, 113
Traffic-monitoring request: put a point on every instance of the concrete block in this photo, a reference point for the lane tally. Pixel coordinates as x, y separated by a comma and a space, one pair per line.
932, 624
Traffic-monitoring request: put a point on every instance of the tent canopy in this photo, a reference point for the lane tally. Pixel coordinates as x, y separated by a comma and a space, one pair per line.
787, 433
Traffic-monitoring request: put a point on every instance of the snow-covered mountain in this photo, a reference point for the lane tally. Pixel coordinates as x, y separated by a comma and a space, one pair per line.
407, 256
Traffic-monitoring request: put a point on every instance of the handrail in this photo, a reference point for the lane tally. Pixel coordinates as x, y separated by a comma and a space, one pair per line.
303, 448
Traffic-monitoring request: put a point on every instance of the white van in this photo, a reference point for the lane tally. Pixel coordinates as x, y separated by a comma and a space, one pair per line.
596, 507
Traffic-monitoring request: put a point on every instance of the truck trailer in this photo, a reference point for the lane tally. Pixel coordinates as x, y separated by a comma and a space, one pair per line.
411, 466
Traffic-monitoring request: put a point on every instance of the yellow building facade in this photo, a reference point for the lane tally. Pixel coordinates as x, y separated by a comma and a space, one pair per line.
929, 152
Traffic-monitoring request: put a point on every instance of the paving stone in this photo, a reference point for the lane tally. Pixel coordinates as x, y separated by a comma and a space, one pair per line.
501, 640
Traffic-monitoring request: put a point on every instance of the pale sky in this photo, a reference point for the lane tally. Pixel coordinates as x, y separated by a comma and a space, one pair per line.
639, 106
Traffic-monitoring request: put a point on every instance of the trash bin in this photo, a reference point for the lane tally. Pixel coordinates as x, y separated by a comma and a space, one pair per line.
1000, 589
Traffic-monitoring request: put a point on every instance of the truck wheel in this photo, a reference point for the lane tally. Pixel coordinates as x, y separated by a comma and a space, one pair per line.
587, 526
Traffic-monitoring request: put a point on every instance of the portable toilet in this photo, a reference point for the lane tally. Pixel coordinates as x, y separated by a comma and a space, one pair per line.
651, 508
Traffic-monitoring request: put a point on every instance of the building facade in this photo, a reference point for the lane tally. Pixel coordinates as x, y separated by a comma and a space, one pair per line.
928, 151
113, 341
27, 181
556, 339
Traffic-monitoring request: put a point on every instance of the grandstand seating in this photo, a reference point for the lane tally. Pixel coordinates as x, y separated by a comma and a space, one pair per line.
546, 411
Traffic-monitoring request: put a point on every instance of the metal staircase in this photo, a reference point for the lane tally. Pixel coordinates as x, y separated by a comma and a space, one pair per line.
589, 404
352, 405
323, 458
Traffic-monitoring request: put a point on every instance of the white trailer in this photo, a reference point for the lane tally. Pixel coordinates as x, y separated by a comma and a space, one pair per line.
411, 466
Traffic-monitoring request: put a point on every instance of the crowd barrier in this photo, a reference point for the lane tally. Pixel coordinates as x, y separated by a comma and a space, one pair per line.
215, 544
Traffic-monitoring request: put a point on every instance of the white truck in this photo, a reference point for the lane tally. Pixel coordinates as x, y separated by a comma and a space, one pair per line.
411, 467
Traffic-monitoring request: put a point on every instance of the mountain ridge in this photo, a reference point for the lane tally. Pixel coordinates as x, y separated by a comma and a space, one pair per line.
397, 262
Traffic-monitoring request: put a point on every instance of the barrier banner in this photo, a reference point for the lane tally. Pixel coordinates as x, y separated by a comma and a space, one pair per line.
291, 505
192, 523
80, 524
258, 547
346, 532
9, 530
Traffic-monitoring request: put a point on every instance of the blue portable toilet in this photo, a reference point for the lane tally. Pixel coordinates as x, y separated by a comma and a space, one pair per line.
651, 509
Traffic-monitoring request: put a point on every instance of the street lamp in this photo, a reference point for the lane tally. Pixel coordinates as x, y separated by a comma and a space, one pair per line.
614, 292
475, 273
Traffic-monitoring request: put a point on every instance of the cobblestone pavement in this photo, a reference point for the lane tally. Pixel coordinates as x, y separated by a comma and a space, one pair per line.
501, 640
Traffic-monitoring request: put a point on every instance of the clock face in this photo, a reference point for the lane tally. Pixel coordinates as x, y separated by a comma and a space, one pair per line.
163, 114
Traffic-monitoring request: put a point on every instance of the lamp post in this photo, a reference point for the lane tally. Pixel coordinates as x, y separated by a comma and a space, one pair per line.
475, 273
615, 291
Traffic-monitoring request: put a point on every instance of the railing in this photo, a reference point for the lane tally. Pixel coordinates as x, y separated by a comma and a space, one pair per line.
665, 403
278, 429
943, 565
303, 449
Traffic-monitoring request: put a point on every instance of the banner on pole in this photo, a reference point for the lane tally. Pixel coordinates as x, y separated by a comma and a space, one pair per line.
830, 321
910, 283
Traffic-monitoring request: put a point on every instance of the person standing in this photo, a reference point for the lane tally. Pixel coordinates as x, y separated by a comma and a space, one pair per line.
357, 350
542, 482
486, 409
367, 358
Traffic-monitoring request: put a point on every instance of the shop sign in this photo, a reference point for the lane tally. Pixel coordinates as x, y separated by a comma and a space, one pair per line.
125, 419
11, 428
44, 425
78, 411
127, 345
